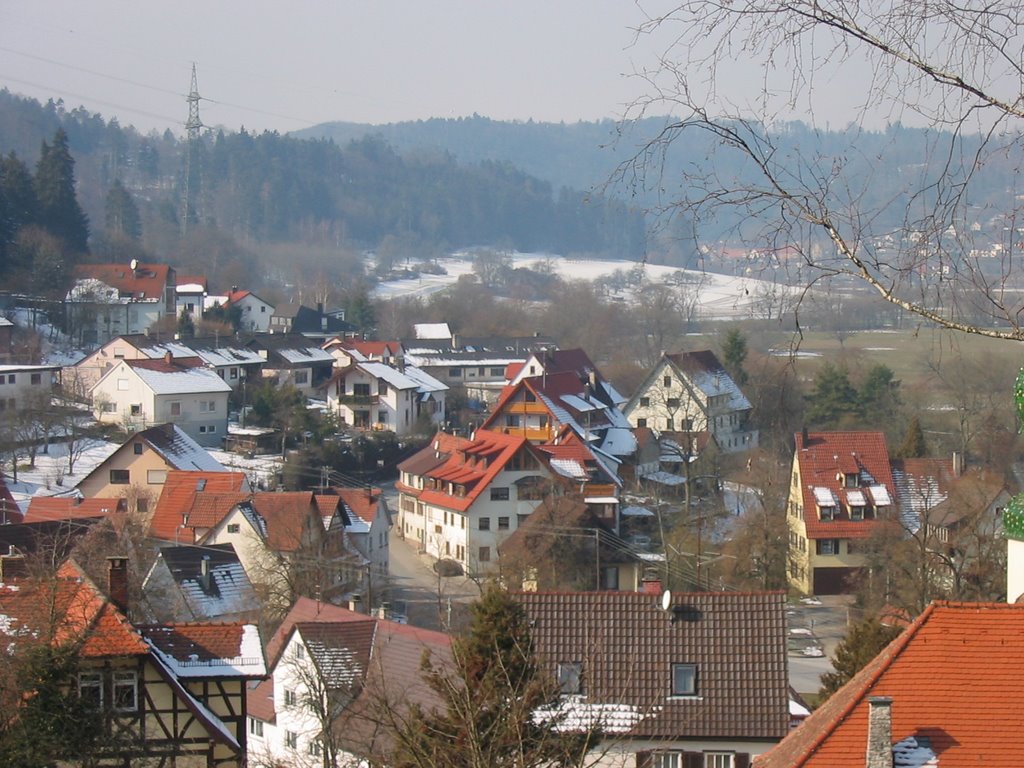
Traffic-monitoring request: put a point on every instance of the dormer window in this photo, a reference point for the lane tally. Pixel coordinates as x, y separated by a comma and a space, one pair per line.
570, 677
826, 513
851, 480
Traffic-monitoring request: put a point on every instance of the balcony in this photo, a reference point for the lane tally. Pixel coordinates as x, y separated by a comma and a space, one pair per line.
358, 399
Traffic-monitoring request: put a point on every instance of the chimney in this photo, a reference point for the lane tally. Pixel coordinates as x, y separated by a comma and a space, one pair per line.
958, 463
456, 341
879, 747
168, 357
117, 582
651, 587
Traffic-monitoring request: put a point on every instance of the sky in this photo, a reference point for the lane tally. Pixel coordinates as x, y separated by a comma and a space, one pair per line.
291, 65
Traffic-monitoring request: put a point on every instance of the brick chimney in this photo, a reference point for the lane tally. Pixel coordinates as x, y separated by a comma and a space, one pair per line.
168, 357
117, 582
879, 747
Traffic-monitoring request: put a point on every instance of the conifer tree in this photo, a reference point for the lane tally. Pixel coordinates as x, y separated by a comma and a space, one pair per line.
492, 693
865, 641
59, 211
18, 207
913, 445
122, 215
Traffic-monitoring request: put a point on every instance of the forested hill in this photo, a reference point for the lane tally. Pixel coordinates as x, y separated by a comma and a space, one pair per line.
265, 187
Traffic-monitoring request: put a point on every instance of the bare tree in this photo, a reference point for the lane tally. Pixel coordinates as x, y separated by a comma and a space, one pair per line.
954, 68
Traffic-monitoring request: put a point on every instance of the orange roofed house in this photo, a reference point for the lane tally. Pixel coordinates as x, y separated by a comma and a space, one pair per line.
459, 498
108, 300
841, 484
944, 694
172, 693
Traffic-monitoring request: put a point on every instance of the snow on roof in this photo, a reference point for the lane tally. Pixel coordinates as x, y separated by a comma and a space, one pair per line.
392, 376
180, 450
664, 478
5, 323
824, 497
855, 498
424, 380
248, 663
580, 404
575, 714
569, 468
880, 495
619, 441
632, 511
432, 331
189, 288
306, 355
192, 381
27, 368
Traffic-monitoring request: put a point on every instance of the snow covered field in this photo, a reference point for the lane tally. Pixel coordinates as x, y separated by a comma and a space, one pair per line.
719, 296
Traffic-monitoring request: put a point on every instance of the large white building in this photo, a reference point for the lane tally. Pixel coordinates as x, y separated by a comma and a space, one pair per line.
368, 395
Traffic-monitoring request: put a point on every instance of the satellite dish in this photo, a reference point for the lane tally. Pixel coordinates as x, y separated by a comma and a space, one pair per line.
134, 264
666, 599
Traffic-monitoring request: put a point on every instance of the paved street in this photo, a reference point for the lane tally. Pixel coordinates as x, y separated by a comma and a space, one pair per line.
825, 618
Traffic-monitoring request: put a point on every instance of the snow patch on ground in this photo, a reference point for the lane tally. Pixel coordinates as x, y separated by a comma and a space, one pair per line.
50, 476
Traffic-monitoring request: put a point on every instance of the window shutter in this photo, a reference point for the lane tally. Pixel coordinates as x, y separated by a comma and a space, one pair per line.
741, 760
693, 760
643, 760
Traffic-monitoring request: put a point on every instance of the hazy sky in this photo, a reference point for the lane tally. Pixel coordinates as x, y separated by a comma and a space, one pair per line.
290, 65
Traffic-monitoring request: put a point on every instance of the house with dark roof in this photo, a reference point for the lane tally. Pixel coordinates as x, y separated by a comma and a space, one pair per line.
670, 680
138, 469
687, 393
292, 543
174, 693
108, 300
943, 693
293, 359
367, 527
841, 487
459, 498
182, 391
312, 323
190, 583
362, 662
376, 396
478, 364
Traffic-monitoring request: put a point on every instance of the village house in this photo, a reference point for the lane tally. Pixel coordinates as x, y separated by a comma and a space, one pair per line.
689, 393
253, 312
54, 508
347, 351
109, 300
478, 364
841, 484
6, 341
229, 358
459, 498
175, 693
190, 583
938, 695
140, 393
322, 652
25, 387
178, 518
691, 679
138, 469
311, 323
190, 293
369, 395
293, 359
366, 530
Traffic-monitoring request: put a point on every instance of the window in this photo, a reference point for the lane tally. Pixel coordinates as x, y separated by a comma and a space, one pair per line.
667, 381
209, 429
142, 504
120, 477
570, 677
207, 406
511, 419
126, 691
485, 523
497, 371
290, 699
718, 760
256, 727
641, 422
852, 481
669, 424
382, 388
108, 407
828, 546
90, 687
234, 527
610, 578
122, 385
827, 513
485, 555
156, 476
302, 377
382, 417
454, 373
234, 373
645, 402
137, 448
136, 410
684, 679
313, 748
856, 513
673, 402
499, 494
11, 378
299, 651
36, 378
529, 397
291, 739
502, 523
666, 760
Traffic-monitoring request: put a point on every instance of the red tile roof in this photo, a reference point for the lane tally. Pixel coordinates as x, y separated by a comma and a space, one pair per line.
147, 281
364, 502
952, 679
473, 464
197, 641
177, 495
43, 508
824, 458
287, 517
163, 365
372, 349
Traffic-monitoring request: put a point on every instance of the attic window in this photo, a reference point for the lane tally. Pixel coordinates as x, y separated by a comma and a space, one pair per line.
852, 480
827, 513
570, 677
684, 679
201, 484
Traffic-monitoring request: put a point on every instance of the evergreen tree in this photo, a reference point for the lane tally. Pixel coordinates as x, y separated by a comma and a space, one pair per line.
913, 445
492, 693
122, 215
186, 329
865, 641
879, 394
834, 399
734, 355
59, 212
18, 208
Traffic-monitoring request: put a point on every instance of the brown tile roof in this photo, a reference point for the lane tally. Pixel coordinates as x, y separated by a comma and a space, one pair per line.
287, 517
824, 457
163, 365
628, 644
42, 508
201, 642
952, 679
180, 488
145, 282
364, 502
